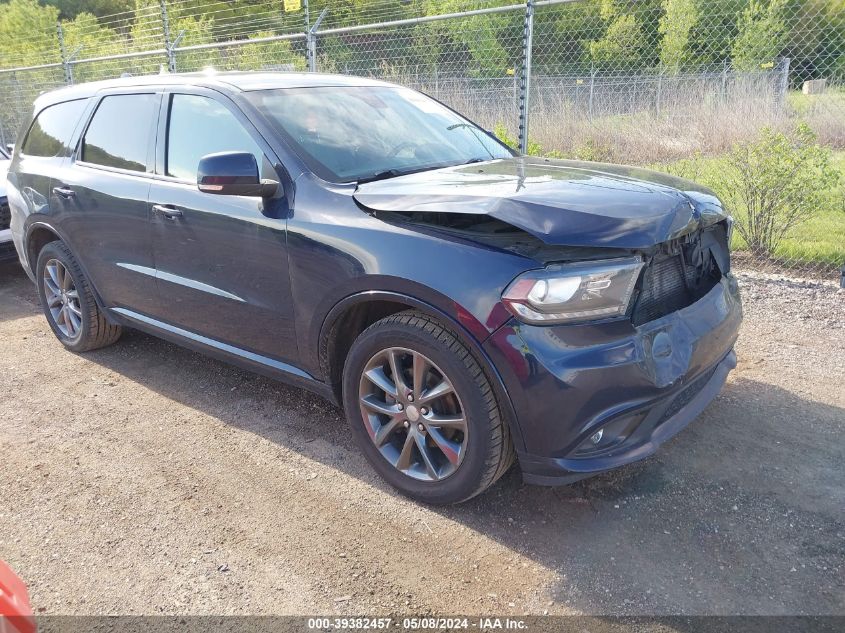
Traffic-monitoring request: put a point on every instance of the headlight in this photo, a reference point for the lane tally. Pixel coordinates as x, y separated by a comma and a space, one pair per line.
580, 291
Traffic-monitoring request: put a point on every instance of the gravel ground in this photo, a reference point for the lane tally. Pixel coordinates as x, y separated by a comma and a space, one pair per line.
144, 478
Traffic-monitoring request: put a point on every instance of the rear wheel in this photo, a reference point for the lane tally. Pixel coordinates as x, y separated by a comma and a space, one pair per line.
69, 303
423, 411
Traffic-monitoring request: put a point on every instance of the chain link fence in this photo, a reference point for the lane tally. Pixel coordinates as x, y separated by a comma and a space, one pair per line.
745, 96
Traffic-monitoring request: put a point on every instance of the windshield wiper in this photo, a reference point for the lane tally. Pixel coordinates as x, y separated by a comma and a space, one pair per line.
393, 173
382, 175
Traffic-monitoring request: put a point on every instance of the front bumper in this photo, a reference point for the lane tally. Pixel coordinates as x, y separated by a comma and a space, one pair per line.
638, 385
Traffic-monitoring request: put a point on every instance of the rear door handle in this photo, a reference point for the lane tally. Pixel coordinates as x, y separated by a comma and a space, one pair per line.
64, 192
171, 213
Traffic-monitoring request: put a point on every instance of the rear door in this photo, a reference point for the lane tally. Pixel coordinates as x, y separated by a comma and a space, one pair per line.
103, 193
221, 261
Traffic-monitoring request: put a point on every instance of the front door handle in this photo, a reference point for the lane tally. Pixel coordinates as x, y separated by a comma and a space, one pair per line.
64, 192
171, 213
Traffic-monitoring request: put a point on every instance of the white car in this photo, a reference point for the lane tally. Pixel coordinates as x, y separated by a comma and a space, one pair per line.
7, 248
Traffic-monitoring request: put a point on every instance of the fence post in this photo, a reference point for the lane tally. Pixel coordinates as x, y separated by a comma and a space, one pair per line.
307, 34
168, 45
592, 87
525, 76
66, 65
725, 81
311, 41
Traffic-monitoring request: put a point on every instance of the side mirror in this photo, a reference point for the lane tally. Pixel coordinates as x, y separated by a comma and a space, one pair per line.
233, 174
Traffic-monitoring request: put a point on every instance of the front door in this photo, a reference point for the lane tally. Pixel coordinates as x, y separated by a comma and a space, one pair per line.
221, 261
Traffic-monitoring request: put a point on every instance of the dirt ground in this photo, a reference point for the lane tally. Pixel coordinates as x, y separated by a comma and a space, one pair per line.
145, 478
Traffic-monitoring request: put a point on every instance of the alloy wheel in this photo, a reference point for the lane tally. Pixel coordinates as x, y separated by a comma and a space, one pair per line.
62, 298
413, 414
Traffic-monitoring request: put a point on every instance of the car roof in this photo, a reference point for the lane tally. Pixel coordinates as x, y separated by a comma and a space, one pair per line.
230, 81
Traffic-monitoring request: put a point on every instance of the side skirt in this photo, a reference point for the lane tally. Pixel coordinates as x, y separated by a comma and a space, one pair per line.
242, 358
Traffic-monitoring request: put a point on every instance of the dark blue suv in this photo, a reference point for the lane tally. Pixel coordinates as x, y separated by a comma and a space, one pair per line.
467, 306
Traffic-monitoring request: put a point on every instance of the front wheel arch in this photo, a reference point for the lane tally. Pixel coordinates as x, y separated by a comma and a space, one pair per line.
343, 325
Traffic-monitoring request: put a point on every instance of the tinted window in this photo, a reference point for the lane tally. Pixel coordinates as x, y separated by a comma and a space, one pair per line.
119, 133
51, 131
200, 126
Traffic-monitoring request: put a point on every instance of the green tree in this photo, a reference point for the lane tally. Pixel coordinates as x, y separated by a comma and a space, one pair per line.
483, 38
198, 29
762, 34
623, 41
272, 55
85, 33
28, 33
676, 24
69, 9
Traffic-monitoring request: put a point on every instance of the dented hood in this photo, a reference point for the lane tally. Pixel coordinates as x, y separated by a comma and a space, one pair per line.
564, 203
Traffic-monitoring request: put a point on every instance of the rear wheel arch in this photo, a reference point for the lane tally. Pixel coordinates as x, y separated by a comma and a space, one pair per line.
354, 314
38, 236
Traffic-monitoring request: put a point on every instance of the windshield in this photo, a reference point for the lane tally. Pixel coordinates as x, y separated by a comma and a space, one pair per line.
353, 133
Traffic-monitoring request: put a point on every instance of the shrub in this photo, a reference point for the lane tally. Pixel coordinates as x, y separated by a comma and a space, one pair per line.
593, 150
774, 184
688, 168
501, 132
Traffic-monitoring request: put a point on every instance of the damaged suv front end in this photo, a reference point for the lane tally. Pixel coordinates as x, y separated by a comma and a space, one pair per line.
594, 395
624, 332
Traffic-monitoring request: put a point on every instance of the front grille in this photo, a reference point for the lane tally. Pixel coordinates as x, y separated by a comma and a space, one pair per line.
5, 214
676, 277
664, 290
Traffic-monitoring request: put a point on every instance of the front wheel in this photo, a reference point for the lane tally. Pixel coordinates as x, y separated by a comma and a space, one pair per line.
423, 411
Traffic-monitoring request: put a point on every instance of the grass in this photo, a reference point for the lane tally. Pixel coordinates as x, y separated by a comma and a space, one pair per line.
819, 240
833, 97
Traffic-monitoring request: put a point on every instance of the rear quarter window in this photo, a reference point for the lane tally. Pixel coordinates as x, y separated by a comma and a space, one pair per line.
52, 129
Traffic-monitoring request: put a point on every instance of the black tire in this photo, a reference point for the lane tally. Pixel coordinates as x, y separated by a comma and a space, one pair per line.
488, 452
95, 331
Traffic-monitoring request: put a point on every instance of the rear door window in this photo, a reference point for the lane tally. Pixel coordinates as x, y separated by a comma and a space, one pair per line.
199, 126
120, 133
52, 129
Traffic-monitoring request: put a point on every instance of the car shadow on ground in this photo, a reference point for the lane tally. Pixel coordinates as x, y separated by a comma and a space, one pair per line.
740, 514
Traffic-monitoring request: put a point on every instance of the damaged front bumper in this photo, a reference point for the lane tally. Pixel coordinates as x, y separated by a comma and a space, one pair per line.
593, 397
